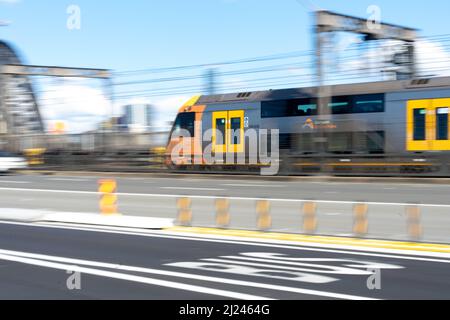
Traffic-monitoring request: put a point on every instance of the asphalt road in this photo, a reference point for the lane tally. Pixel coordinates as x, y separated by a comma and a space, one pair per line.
291, 189
156, 197
38, 262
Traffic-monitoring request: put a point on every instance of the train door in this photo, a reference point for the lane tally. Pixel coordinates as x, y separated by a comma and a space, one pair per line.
219, 136
440, 122
228, 132
428, 125
236, 131
419, 125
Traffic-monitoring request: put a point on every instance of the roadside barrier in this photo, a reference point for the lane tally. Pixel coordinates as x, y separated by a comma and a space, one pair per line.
264, 219
361, 221
414, 224
108, 197
35, 157
310, 217
184, 211
222, 213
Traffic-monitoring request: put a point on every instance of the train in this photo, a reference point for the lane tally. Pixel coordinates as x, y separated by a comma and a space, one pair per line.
386, 127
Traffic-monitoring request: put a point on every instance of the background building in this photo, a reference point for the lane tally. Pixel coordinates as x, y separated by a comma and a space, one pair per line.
137, 118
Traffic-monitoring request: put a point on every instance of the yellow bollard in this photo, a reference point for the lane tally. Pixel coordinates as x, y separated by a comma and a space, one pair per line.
413, 216
223, 213
108, 198
310, 217
184, 212
264, 218
361, 222
35, 157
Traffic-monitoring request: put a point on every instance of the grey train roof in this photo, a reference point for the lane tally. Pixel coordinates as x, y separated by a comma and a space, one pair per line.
13, 113
337, 90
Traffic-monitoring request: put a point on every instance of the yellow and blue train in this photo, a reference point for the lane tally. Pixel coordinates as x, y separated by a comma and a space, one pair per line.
389, 127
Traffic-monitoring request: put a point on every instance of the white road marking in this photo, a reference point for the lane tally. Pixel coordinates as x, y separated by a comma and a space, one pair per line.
253, 271
183, 275
15, 182
253, 185
428, 205
132, 278
268, 243
191, 189
67, 179
348, 268
270, 265
333, 214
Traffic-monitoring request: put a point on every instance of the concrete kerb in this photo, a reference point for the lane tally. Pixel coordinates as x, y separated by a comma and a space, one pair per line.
35, 216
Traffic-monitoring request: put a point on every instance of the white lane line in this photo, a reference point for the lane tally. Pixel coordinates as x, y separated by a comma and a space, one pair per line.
68, 179
191, 189
253, 185
428, 205
333, 214
185, 275
425, 256
132, 278
14, 182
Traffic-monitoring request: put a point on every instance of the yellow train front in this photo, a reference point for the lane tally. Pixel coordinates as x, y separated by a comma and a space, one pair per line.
381, 128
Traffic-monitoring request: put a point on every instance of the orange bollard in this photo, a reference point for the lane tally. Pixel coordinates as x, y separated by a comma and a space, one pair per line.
361, 222
184, 212
108, 198
223, 213
310, 217
414, 222
263, 211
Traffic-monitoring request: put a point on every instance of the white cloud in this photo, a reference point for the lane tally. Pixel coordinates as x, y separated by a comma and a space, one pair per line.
80, 107
10, 1
433, 59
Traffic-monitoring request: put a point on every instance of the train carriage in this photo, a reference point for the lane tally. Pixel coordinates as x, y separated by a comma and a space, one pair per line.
382, 127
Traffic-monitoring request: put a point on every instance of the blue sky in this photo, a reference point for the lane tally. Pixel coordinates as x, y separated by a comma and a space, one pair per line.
135, 34
139, 34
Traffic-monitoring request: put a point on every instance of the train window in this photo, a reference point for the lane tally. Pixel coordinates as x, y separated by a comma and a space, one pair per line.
419, 124
221, 131
368, 103
185, 121
304, 107
289, 108
275, 109
341, 105
442, 124
236, 131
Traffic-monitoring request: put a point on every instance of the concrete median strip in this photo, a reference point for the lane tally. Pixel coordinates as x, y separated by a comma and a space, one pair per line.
26, 215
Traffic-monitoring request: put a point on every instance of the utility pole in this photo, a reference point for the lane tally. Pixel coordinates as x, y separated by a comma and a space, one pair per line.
323, 96
3, 115
210, 81
327, 23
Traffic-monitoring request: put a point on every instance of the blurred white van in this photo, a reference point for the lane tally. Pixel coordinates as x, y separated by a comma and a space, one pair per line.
10, 162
